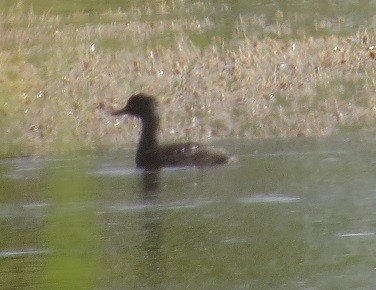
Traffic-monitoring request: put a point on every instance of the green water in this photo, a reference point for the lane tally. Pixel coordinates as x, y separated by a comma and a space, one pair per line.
289, 214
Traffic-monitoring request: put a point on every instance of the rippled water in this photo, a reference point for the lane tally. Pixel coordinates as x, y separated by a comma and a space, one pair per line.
289, 214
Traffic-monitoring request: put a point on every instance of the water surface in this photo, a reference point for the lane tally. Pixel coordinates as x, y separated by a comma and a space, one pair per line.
289, 214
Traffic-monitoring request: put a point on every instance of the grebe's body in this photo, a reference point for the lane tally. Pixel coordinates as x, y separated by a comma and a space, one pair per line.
152, 156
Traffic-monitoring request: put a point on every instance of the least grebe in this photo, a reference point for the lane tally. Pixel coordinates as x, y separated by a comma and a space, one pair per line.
152, 156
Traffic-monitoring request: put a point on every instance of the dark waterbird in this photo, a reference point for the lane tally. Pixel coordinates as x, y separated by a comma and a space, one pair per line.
150, 155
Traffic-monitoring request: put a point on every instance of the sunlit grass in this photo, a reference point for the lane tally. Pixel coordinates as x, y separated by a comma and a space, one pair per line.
62, 74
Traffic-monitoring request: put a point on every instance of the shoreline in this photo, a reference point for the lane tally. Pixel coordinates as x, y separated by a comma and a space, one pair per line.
60, 81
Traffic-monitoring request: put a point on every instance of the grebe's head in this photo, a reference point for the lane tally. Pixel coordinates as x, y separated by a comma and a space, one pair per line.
139, 105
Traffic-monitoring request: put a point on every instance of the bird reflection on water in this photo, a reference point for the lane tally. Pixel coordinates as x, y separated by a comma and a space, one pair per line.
153, 257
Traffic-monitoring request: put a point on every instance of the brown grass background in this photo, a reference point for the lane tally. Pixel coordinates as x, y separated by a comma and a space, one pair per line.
61, 75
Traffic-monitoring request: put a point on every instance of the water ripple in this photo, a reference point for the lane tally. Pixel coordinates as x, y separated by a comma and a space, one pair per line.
21, 253
268, 198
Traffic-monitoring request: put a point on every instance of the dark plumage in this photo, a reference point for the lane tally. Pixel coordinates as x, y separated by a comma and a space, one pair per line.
152, 156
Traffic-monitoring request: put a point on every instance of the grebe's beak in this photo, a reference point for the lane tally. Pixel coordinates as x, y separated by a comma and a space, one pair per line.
119, 112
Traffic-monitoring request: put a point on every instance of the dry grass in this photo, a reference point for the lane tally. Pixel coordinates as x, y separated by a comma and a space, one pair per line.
60, 76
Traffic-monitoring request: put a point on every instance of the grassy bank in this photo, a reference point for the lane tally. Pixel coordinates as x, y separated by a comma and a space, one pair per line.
61, 75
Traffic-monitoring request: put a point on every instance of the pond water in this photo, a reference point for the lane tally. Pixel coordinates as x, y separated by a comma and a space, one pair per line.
289, 214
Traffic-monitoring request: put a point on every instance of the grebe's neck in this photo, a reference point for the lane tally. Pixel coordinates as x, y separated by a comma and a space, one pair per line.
148, 139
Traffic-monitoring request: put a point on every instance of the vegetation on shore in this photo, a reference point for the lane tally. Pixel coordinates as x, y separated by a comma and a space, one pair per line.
61, 76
